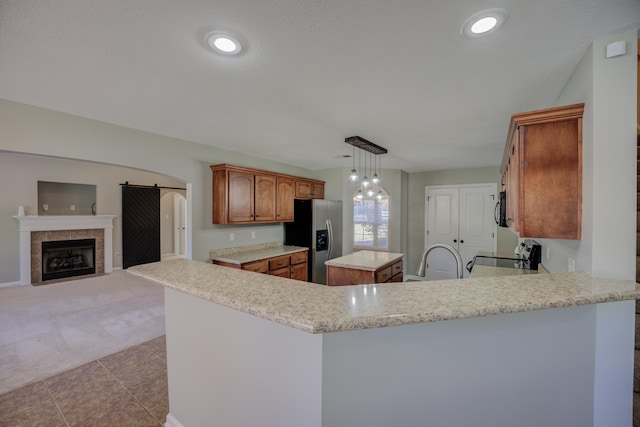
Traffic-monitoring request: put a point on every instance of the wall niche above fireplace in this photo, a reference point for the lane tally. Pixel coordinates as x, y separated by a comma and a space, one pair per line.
61, 198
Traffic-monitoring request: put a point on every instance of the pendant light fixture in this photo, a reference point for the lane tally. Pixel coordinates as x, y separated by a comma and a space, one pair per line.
376, 179
367, 187
354, 173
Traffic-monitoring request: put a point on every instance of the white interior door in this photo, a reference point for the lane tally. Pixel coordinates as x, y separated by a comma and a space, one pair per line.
477, 226
179, 225
463, 218
442, 208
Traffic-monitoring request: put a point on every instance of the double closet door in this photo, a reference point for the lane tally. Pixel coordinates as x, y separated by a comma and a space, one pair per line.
462, 216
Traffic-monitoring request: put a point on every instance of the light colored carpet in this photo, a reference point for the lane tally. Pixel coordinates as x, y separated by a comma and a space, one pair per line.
48, 329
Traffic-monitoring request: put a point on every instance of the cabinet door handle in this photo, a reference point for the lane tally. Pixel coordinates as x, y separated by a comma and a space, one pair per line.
455, 240
461, 241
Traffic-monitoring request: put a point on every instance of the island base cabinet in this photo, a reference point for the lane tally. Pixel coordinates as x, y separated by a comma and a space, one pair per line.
554, 368
345, 276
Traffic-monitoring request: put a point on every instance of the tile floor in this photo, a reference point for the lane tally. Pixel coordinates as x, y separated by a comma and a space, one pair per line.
128, 388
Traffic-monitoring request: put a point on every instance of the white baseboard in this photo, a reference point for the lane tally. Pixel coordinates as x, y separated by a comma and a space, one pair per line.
6, 285
172, 422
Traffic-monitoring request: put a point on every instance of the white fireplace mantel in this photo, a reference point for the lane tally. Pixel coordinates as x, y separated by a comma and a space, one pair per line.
27, 224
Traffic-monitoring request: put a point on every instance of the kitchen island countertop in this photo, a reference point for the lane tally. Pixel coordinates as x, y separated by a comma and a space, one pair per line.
317, 308
364, 260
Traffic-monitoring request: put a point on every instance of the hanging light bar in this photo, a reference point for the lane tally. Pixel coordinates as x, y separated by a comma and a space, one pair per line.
365, 145
368, 187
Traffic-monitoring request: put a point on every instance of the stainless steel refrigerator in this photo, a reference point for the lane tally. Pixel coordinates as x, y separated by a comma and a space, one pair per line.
317, 225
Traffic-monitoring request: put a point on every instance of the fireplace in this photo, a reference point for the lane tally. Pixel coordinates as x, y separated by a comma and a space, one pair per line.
34, 230
68, 258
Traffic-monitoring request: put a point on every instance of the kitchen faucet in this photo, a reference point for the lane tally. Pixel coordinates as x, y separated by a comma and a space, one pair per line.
420, 274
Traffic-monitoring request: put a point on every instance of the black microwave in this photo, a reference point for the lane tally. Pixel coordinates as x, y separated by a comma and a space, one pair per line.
501, 210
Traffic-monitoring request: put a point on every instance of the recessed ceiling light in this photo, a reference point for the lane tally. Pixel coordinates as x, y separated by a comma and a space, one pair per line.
223, 43
484, 23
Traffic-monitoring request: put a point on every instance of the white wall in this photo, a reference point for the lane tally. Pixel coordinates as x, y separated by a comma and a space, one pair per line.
608, 88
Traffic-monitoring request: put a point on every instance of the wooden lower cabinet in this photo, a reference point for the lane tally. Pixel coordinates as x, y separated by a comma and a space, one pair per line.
343, 276
300, 271
261, 266
292, 266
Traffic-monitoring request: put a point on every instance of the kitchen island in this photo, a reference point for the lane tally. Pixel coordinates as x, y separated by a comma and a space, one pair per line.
256, 350
364, 267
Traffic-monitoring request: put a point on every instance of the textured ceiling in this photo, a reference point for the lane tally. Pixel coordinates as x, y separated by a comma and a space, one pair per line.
397, 73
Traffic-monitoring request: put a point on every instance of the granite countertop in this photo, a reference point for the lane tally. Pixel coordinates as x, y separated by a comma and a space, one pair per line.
317, 308
364, 260
244, 254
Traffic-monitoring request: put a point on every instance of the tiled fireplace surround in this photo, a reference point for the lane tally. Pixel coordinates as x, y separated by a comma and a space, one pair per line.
36, 229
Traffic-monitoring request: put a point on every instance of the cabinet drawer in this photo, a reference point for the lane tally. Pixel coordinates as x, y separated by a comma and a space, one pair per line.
396, 268
279, 262
281, 272
383, 275
298, 257
257, 266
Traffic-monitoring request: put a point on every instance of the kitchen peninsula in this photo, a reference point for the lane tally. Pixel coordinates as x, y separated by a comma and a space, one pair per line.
247, 349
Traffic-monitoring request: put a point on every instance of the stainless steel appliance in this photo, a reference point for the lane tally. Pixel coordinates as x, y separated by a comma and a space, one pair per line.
317, 225
531, 258
501, 210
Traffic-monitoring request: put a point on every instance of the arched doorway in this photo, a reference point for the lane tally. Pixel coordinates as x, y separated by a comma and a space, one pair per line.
173, 207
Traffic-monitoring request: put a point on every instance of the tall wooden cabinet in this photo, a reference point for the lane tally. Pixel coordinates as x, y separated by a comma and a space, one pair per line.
542, 173
245, 195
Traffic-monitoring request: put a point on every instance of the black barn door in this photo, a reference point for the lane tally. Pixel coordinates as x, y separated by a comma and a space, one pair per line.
140, 225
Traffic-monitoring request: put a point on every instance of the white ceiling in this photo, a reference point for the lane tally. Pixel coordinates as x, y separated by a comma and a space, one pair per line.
314, 71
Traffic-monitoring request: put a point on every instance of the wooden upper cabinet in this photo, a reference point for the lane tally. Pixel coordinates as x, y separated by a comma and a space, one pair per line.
309, 189
245, 195
542, 173
284, 199
265, 198
317, 190
241, 197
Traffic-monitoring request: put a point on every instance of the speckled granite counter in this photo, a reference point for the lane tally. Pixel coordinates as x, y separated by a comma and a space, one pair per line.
364, 260
319, 309
243, 254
